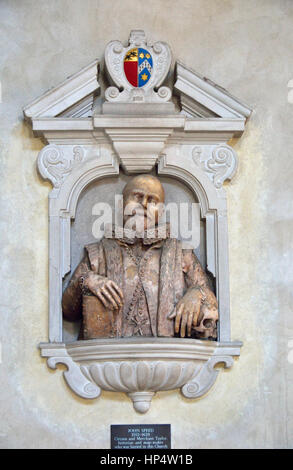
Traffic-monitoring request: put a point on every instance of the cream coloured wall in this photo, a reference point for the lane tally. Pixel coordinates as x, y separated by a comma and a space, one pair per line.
246, 49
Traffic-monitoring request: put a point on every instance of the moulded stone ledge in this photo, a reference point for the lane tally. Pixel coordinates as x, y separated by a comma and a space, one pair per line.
140, 367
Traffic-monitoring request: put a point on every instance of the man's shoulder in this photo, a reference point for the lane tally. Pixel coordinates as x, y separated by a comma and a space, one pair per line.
96, 247
96, 252
92, 246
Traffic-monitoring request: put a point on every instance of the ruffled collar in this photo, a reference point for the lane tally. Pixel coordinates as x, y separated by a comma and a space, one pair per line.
128, 236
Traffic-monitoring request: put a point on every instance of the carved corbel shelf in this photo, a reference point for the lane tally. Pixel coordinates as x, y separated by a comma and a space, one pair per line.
140, 367
138, 129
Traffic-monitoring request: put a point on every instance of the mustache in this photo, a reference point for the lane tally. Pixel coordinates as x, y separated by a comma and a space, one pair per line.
136, 210
136, 216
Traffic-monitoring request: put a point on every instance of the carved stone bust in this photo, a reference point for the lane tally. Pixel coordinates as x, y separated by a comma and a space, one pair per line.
142, 282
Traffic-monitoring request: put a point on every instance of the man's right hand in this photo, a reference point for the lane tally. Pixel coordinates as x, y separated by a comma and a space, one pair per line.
104, 289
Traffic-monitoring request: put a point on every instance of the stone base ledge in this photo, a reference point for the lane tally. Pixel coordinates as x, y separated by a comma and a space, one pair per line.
140, 367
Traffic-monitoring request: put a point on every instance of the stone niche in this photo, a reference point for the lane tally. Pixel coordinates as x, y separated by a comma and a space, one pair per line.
105, 190
181, 134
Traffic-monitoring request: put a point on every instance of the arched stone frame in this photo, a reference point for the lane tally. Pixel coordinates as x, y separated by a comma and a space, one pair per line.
62, 208
106, 364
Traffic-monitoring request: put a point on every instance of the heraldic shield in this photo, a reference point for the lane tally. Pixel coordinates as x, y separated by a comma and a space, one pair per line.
138, 65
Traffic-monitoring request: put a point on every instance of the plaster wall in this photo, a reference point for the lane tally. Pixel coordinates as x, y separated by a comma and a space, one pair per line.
243, 46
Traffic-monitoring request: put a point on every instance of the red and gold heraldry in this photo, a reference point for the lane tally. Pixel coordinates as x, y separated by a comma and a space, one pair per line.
138, 66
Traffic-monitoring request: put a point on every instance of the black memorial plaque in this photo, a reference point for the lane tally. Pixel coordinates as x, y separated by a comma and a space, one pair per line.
140, 436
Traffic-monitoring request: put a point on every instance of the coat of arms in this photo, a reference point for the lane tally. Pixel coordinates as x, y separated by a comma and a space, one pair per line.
138, 70
138, 64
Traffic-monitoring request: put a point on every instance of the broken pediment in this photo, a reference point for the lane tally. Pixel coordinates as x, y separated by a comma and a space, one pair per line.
72, 98
202, 98
137, 114
199, 97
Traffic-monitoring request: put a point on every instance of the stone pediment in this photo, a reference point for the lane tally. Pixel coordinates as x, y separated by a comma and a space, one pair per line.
199, 98
137, 121
72, 98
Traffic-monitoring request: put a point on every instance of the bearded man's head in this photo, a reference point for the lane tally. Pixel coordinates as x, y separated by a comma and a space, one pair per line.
143, 199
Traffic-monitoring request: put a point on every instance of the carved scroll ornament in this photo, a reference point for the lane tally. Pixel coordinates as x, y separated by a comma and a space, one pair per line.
220, 166
54, 166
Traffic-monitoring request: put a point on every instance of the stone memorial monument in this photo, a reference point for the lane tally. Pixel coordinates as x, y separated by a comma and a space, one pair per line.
153, 317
